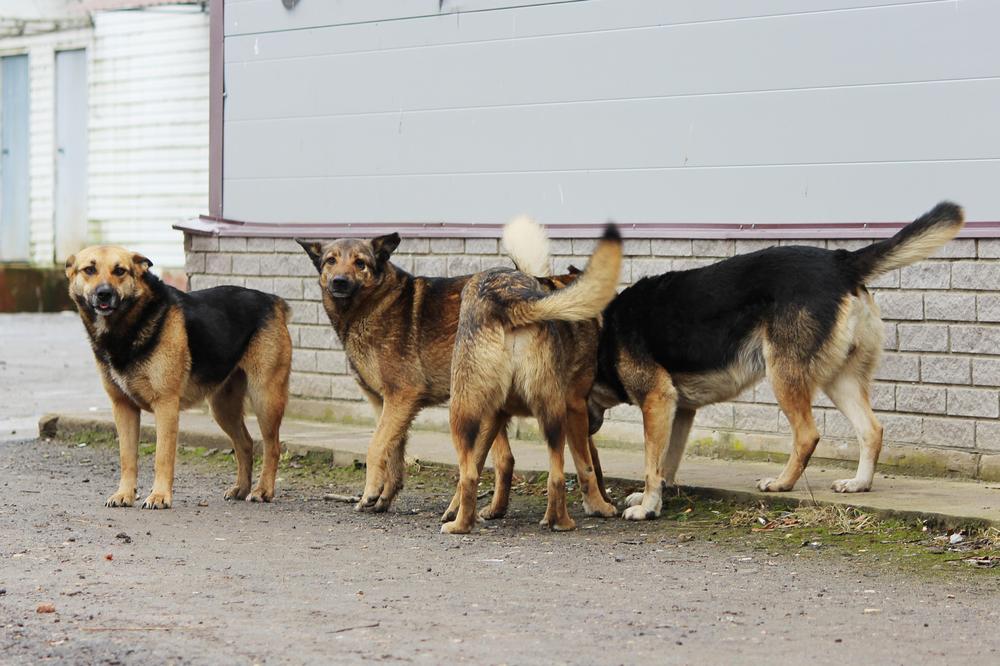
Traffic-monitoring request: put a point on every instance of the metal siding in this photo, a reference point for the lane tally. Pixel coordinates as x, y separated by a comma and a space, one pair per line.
71, 153
14, 162
148, 128
645, 111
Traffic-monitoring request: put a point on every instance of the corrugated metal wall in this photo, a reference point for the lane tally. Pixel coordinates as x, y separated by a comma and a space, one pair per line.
641, 110
148, 128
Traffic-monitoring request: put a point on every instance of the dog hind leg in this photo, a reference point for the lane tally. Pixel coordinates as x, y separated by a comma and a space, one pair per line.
850, 394
794, 395
671, 458
503, 472
227, 409
556, 513
582, 450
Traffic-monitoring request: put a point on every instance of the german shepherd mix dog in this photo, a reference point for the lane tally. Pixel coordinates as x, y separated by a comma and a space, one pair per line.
399, 332
162, 350
527, 346
800, 316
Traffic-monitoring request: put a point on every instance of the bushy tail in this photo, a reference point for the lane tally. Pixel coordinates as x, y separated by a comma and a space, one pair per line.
527, 245
916, 241
586, 297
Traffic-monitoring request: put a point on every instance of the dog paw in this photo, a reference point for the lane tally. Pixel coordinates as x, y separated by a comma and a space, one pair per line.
604, 510
449, 515
237, 492
453, 527
157, 500
366, 502
851, 486
772, 486
565, 525
491, 513
121, 498
260, 494
634, 499
382, 504
639, 512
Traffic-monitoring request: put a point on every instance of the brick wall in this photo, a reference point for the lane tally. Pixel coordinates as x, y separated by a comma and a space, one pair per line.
936, 391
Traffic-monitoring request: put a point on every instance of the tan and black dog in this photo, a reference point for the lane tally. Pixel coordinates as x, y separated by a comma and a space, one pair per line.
527, 346
398, 331
161, 350
800, 316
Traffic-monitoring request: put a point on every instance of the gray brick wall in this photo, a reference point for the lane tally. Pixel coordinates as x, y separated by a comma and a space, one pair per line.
937, 385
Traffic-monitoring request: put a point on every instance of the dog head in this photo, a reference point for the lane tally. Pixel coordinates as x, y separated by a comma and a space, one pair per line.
351, 267
104, 278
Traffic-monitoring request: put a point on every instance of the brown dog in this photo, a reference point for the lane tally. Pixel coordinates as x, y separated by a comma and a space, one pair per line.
528, 346
162, 350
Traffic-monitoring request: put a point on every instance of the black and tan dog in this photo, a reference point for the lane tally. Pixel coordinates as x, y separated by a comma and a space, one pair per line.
398, 331
800, 316
527, 346
162, 350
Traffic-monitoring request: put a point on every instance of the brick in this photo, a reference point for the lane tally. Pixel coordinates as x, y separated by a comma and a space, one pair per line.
584, 246
463, 265
560, 246
481, 246
194, 262
261, 284
636, 247
671, 247
890, 341
883, 397
332, 362
986, 371
950, 307
289, 288
403, 262
973, 402
560, 266
901, 427
713, 248
988, 307
307, 385
760, 418
945, 369
432, 266
906, 305
748, 246
246, 264
415, 245
921, 399
303, 360
975, 275
888, 281
802, 242
989, 248
949, 432
447, 246
764, 394
923, 337
689, 264
204, 243
232, 244
975, 339
849, 244
311, 291
261, 245
344, 387
926, 275
218, 263
988, 435
720, 415
316, 337
288, 246
645, 267
306, 312
964, 248
280, 264
898, 367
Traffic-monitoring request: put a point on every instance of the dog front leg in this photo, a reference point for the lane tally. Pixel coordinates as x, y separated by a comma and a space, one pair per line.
167, 413
384, 462
127, 424
658, 408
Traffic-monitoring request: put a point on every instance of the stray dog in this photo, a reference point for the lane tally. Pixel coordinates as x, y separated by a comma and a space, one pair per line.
801, 316
162, 350
527, 346
398, 331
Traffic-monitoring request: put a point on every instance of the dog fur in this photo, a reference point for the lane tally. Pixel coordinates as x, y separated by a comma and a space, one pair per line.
162, 350
800, 316
527, 346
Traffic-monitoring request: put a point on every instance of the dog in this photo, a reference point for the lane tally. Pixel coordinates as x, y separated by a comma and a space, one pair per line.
162, 350
800, 316
398, 331
527, 346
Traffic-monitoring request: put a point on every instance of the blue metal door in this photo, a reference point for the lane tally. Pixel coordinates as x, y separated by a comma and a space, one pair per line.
14, 183
71, 153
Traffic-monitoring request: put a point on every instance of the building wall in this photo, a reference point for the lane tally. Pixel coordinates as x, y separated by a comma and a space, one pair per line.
936, 389
148, 158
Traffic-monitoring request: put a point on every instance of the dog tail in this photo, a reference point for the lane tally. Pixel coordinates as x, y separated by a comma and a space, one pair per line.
527, 245
916, 241
586, 297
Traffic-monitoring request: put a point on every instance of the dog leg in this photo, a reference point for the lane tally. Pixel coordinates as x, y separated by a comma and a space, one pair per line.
595, 459
503, 472
472, 445
127, 424
577, 424
167, 413
850, 394
389, 440
658, 407
795, 399
269, 406
227, 410
556, 514
671, 459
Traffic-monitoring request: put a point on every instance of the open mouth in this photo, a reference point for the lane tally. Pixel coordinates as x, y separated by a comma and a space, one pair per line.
104, 309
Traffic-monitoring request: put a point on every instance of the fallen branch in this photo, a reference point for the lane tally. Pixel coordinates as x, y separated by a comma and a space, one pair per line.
334, 497
360, 626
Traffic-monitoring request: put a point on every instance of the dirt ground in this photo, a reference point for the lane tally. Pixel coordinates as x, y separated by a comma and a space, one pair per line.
304, 580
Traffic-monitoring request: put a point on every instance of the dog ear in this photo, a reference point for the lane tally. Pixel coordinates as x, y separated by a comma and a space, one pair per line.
141, 262
573, 270
70, 266
314, 250
384, 246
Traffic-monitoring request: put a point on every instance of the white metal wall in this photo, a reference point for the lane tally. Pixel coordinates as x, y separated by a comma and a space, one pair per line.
641, 110
148, 128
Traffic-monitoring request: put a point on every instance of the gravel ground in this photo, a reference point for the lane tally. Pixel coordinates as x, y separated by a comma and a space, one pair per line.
307, 581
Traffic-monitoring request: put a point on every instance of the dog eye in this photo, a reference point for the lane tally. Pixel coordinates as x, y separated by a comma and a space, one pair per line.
359, 264
90, 270
119, 271
331, 260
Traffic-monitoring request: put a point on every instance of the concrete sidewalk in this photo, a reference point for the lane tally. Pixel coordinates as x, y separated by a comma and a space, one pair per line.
944, 501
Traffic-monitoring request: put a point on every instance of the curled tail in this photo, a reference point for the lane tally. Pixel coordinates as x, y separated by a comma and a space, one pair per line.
586, 297
527, 245
916, 241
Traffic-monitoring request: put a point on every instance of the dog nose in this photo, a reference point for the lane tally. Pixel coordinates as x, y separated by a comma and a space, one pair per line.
104, 294
339, 282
